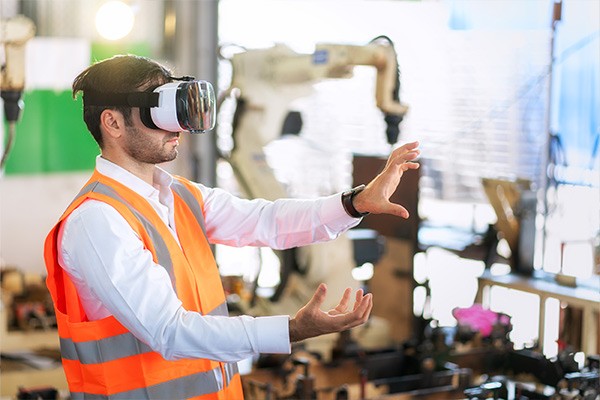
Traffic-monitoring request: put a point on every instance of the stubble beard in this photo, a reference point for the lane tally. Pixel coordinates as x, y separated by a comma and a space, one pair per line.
141, 148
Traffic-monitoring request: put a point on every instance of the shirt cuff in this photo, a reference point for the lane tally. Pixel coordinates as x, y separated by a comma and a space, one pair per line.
334, 216
273, 334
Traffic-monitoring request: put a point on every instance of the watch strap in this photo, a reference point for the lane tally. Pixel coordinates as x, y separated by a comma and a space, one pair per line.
347, 202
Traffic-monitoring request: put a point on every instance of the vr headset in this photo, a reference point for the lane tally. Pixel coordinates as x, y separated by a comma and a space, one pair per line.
188, 105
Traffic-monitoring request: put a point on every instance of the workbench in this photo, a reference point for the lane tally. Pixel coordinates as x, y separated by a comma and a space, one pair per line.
17, 341
584, 298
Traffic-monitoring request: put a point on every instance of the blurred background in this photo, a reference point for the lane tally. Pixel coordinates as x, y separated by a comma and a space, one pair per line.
503, 95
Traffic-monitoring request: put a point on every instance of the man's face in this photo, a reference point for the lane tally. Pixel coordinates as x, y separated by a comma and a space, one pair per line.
151, 146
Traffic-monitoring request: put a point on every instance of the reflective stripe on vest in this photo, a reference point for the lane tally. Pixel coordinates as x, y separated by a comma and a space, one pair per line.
231, 369
112, 348
191, 202
181, 388
162, 252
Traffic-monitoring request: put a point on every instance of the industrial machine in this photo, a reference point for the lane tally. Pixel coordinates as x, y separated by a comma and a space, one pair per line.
264, 83
14, 34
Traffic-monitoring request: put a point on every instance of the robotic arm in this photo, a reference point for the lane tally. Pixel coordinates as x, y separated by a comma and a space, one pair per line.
14, 34
265, 82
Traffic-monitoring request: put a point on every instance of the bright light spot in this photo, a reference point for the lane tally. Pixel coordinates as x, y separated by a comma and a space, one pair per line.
580, 359
114, 20
499, 269
420, 268
363, 273
419, 300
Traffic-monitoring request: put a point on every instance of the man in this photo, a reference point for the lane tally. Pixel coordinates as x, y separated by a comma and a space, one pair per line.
140, 307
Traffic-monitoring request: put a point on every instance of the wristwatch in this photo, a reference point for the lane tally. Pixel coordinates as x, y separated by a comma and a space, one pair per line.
347, 198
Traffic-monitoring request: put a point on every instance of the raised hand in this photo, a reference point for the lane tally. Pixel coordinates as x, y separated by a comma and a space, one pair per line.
375, 198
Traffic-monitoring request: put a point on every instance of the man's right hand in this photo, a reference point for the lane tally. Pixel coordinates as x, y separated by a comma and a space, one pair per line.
311, 321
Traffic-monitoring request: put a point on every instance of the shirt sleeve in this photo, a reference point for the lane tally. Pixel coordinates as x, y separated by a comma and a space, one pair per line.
279, 224
115, 275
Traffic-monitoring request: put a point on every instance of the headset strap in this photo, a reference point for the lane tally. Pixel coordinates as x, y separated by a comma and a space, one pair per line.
133, 99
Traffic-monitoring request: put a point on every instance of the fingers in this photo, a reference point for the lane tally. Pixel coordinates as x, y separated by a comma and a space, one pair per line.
310, 321
358, 316
342, 307
365, 309
405, 157
409, 151
318, 297
407, 148
358, 298
402, 156
410, 165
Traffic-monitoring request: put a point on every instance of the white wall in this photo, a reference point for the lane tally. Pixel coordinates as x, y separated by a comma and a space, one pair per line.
29, 207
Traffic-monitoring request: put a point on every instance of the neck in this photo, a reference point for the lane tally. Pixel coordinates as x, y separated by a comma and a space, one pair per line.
143, 171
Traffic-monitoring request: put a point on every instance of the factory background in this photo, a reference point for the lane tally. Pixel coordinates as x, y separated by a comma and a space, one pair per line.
496, 89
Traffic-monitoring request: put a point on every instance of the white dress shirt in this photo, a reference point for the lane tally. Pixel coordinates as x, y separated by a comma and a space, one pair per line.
115, 275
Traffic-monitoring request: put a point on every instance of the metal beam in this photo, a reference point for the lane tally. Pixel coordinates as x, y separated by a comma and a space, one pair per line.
196, 43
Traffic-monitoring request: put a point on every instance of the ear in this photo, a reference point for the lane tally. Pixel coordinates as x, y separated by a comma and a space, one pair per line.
112, 123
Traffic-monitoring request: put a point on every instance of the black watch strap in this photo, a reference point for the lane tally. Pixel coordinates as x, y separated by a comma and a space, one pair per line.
347, 198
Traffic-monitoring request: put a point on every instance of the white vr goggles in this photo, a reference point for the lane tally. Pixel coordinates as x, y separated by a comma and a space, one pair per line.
188, 105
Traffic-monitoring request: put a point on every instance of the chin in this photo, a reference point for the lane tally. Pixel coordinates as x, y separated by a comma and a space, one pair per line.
171, 157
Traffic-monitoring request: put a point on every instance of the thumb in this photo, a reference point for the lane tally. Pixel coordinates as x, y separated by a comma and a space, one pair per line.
397, 210
319, 297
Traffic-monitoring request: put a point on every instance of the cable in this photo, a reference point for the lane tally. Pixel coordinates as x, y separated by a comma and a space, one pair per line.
12, 109
9, 143
392, 120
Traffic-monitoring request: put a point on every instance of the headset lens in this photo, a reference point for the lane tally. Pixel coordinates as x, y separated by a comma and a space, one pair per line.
196, 106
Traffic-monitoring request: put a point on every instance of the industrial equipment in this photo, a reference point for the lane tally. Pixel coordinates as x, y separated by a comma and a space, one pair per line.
264, 83
515, 205
14, 34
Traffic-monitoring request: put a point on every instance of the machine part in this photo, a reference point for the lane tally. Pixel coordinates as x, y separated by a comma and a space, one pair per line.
305, 383
9, 144
41, 393
264, 82
484, 390
428, 383
392, 118
14, 34
265, 388
514, 203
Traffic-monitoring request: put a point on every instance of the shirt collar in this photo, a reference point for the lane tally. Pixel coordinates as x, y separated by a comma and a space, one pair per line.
162, 179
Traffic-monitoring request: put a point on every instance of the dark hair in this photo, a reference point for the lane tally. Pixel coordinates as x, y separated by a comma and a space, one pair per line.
119, 74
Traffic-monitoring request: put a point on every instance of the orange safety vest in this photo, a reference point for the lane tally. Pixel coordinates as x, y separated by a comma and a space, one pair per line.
102, 359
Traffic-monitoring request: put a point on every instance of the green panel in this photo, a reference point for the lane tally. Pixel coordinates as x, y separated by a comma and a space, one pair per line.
51, 135
101, 51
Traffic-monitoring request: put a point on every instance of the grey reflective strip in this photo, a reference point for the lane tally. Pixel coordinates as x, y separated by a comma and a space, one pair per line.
114, 347
103, 350
220, 310
162, 252
191, 201
86, 189
180, 388
231, 369
219, 378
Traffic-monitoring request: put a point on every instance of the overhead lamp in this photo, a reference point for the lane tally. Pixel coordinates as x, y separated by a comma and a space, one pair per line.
114, 20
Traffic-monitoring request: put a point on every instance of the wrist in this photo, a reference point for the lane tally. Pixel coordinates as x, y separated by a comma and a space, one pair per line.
348, 202
293, 328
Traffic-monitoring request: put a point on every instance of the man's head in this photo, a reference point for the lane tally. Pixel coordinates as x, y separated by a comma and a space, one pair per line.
119, 74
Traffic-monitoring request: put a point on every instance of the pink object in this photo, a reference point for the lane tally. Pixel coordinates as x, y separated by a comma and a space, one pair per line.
479, 319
